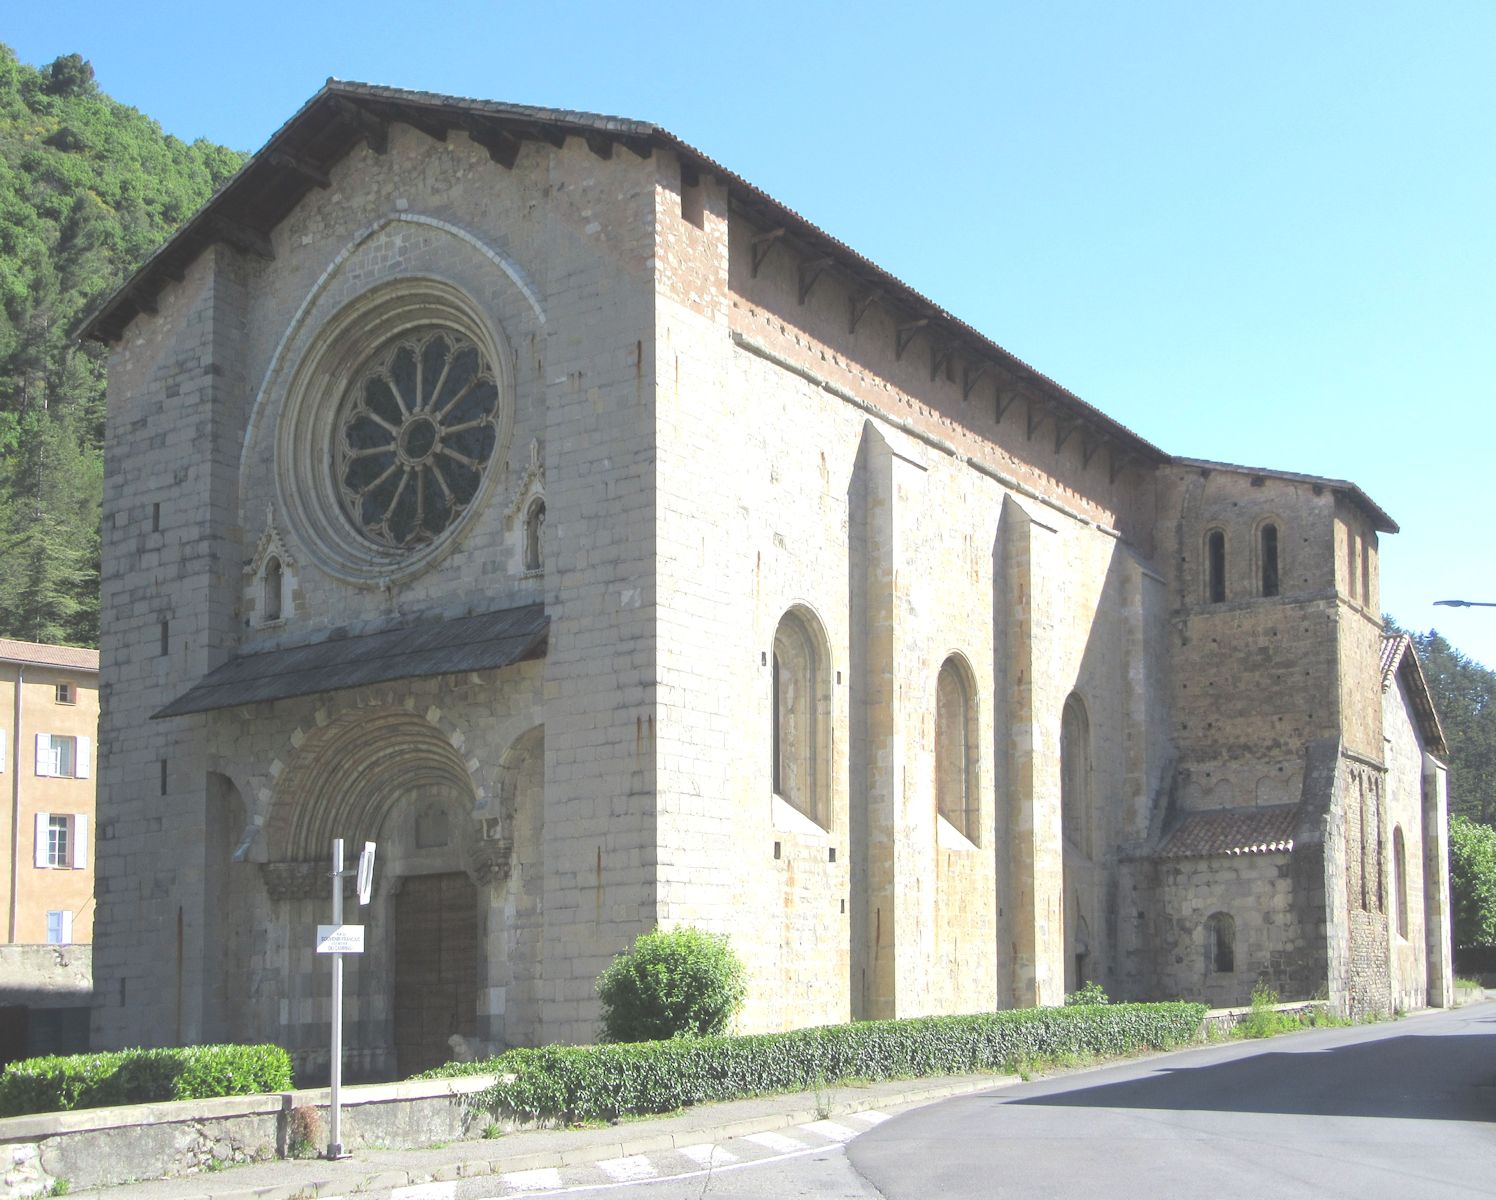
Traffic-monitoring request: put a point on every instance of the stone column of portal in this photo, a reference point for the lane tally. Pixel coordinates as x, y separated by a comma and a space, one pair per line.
1437, 935
892, 896
1035, 890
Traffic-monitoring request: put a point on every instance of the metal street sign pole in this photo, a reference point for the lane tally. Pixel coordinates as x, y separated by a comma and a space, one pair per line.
335, 1126
338, 939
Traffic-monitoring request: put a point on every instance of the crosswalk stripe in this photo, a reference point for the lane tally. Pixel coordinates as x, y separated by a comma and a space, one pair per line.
776, 1142
627, 1169
870, 1116
831, 1130
708, 1155
539, 1180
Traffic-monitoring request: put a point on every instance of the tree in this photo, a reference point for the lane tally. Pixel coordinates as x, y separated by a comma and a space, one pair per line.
88, 188
1464, 694
1472, 881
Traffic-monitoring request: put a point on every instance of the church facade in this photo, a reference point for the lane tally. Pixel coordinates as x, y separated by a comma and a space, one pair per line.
523, 491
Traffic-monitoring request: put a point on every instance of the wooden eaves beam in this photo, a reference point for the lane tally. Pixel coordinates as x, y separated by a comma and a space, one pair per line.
970, 377
300, 166
374, 130
905, 334
427, 124
762, 244
811, 269
502, 146
859, 305
940, 354
241, 236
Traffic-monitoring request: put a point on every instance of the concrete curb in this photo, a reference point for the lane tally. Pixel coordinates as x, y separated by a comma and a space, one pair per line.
319, 1180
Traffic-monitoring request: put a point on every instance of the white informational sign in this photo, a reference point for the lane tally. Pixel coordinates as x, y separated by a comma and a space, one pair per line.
340, 939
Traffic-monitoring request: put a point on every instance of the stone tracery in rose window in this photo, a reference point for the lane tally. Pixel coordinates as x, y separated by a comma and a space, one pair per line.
415, 436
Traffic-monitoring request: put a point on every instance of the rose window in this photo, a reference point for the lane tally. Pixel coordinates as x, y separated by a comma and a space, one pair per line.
414, 437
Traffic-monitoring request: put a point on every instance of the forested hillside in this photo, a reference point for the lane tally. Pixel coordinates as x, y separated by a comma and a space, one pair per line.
88, 188
1465, 694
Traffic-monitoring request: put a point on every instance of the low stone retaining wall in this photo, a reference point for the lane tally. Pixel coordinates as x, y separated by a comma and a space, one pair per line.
1223, 1020
98, 1147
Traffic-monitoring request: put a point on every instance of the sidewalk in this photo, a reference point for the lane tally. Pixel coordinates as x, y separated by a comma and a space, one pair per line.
381, 1170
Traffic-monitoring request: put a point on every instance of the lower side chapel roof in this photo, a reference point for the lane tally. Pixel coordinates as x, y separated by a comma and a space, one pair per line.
428, 647
1233, 832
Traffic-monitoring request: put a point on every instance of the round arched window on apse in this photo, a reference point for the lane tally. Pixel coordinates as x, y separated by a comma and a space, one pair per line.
414, 436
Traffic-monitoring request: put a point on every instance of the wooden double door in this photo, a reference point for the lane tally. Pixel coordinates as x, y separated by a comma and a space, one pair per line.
436, 968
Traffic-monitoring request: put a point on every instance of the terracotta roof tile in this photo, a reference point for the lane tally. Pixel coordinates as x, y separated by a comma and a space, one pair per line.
43, 655
1233, 831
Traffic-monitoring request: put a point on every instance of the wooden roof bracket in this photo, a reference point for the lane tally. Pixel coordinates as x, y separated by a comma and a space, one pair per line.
436, 130
1063, 428
811, 269
1088, 447
375, 130
599, 145
905, 334
143, 299
859, 306
762, 244
1119, 460
502, 146
970, 377
1004, 402
241, 236
308, 171
939, 356
1037, 412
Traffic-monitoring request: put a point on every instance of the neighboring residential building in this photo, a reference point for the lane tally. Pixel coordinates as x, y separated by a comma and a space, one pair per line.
49, 718
524, 491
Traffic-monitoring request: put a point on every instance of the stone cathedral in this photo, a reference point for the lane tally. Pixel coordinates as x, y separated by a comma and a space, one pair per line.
523, 491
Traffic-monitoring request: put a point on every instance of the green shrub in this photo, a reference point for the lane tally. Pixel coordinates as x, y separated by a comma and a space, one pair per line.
59, 1082
671, 983
576, 1083
1089, 992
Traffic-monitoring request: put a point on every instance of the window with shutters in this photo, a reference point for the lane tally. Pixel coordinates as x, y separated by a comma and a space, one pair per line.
61, 841
59, 927
62, 756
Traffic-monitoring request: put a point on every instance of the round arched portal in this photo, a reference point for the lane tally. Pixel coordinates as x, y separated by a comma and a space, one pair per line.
390, 777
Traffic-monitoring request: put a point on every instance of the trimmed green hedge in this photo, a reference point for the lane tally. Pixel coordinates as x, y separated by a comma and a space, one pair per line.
578, 1083
58, 1082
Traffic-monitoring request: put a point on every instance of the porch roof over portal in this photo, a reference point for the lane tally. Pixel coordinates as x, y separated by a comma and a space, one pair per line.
452, 646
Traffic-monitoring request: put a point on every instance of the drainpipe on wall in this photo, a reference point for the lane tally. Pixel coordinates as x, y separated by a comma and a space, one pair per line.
15, 808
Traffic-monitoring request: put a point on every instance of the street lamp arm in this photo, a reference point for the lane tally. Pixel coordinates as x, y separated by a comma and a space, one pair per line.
1467, 603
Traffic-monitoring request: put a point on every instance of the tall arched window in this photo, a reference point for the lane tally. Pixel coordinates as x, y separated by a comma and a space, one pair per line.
1400, 882
534, 535
801, 702
1075, 774
271, 605
1220, 944
1267, 550
1215, 566
955, 749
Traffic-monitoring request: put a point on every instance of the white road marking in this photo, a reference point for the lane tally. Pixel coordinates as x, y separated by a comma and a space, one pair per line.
869, 1117
832, 1131
707, 1155
628, 1169
776, 1142
426, 1191
537, 1180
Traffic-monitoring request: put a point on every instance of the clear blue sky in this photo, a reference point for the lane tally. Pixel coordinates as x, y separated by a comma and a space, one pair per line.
1263, 233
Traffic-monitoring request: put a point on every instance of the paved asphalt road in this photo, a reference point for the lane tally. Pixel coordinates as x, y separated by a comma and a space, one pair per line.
1403, 1109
